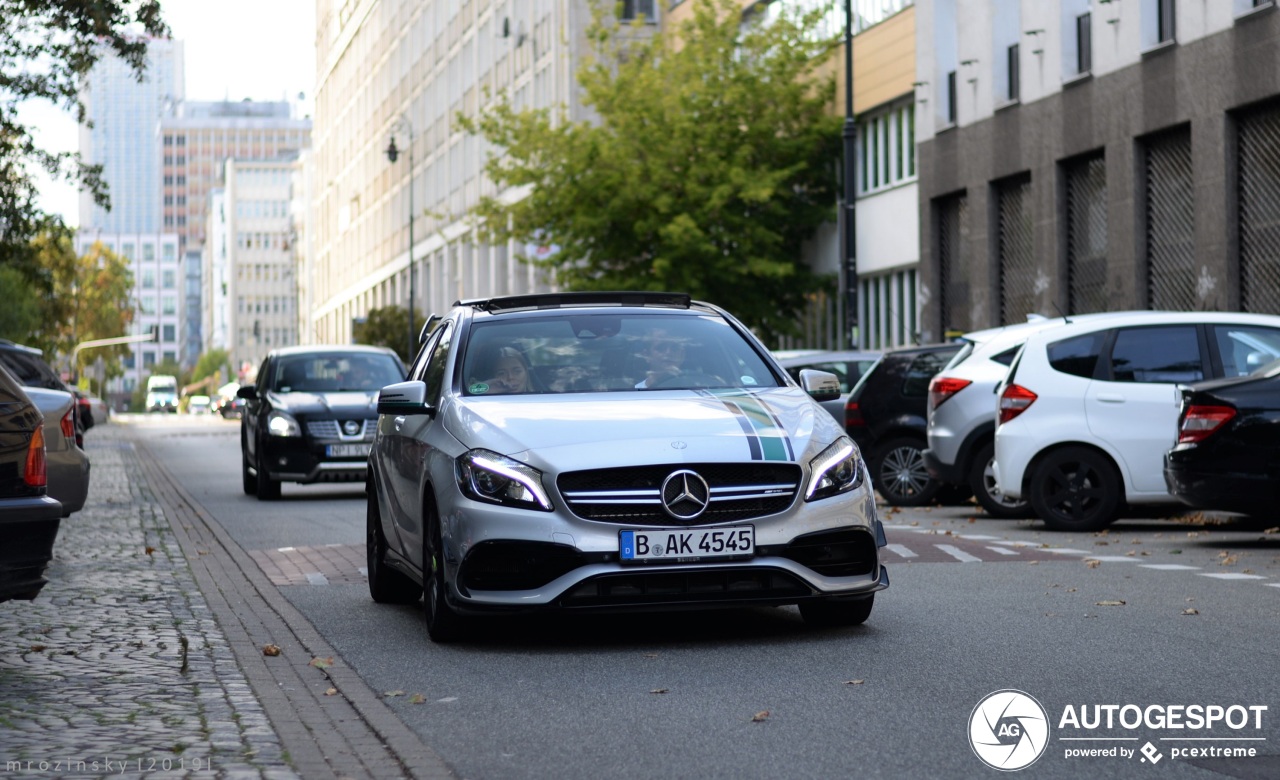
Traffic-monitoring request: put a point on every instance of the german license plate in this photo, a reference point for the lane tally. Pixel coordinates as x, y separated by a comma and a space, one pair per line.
687, 544
347, 450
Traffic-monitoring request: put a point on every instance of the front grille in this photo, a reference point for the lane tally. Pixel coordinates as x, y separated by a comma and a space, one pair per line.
510, 565
847, 553
739, 491
330, 429
679, 587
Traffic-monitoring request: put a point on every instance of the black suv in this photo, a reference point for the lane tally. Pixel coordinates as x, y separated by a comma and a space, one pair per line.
28, 517
886, 415
311, 415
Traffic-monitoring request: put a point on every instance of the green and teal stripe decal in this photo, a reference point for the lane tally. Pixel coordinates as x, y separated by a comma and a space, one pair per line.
766, 438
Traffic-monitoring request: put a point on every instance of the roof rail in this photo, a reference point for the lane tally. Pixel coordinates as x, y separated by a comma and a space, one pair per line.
558, 300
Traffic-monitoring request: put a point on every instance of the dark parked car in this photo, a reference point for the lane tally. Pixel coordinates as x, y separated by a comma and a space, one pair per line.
1228, 451
312, 414
28, 366
28, 518
847, 366
886, 417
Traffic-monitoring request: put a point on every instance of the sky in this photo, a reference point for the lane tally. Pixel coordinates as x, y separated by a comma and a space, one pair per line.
234, 49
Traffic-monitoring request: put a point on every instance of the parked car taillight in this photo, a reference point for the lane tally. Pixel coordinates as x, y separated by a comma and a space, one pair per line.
34, 475
68, 424
943, 387
853, 416
1014, 401
1200, 422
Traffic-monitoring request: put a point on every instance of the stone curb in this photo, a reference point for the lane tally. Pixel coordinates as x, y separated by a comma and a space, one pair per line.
350, 734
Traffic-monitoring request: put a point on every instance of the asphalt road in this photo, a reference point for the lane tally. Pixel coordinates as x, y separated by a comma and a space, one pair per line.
1172, 612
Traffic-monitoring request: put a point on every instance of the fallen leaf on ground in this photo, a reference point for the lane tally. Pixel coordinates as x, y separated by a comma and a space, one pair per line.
1191, 611
658, 690
271, 650
392, 694
416, 698
321, 663
1102, 543
1275, 530
854, 682
150, 550
650, 655
1035, 563
1112, 603
1132, 553
37, 648
1092, 563
973, 519
762, 715
331, 692
1072, 590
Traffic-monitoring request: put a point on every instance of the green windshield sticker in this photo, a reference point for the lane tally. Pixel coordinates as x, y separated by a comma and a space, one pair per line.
478, 388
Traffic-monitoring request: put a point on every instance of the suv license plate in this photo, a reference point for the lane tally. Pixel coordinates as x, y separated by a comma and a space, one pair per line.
347, 450
680, 545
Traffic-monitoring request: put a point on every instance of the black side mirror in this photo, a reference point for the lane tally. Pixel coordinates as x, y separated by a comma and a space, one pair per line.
247, 392
404, 398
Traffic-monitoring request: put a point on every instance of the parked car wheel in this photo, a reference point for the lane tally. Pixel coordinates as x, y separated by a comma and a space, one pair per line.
443, 624
268, 488
833, 614
982, 480
900, 474
386, 585
1075, 489
250, 482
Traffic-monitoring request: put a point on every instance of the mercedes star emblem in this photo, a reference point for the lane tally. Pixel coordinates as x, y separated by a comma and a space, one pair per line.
685, 494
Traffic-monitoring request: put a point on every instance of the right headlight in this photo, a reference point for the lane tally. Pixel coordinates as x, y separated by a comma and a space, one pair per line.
836, 470
496, 479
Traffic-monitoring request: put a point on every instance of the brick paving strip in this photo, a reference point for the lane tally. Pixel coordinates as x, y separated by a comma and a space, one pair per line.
92, 682
346, 735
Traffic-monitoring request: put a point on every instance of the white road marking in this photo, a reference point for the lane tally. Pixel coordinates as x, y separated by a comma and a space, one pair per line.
977, 537
1067, 551
316, 578
900, 550
1169, 567
1002, 550
958, 554
1114, 558
364, 572
1231, 575
284, 549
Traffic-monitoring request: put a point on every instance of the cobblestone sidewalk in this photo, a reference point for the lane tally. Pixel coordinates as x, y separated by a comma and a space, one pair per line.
118, 668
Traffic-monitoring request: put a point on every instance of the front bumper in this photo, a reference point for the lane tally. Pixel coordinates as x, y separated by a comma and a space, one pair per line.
28, 528
305, 460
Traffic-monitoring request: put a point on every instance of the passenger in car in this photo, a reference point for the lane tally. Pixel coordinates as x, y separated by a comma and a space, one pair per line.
665, 354
501, 370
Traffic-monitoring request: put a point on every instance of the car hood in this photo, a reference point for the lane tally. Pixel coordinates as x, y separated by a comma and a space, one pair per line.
338, 404
617, 429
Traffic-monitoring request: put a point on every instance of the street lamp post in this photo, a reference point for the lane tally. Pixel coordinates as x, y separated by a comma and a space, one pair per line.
393, 154
849, 267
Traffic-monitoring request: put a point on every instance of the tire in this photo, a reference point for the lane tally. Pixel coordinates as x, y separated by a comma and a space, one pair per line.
982, 481
899, 473
268, 488
837, 613
1075, 489
443, 624
250, 482
386, 586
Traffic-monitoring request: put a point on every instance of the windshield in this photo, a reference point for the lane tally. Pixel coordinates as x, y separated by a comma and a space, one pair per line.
334, 372
594, 353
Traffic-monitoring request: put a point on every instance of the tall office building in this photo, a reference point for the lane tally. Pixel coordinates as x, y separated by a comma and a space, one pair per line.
406, 68
124, 113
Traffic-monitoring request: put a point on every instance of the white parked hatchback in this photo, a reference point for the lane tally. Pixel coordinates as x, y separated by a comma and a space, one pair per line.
1088, 409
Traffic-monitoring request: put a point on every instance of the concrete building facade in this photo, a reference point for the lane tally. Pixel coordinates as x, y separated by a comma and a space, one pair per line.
1089, 156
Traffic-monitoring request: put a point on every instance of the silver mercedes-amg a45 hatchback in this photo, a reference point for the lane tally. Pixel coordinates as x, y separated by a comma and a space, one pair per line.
613, 451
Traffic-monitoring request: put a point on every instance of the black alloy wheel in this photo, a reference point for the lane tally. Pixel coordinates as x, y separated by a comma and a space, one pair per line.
982, 479
836, 613
900, 475
443, 624
1076, 489
268, 488
386, 585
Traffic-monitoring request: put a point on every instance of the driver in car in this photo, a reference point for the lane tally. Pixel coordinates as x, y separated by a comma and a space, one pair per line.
665, 355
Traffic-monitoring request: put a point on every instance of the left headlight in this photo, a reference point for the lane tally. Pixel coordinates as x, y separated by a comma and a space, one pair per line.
281, 424
496, 479
836, 470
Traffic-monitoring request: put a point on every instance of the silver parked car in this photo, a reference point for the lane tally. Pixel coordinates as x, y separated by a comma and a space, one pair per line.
613, 451
66, 464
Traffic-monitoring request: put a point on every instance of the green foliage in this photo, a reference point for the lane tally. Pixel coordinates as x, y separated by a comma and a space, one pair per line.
46, 48
710, 162
210, 363
19, 307
89, 299
388, 327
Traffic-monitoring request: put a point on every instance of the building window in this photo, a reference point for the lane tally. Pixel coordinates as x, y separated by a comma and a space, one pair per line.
168, 253
148, 279
1084, 43
167, 279
169, 334
148, 359
888, 312
951, 231
1165, 20
1086, 218
1170, 221
1016, 246
951, 98
886, 148
169, 305
1015, 74
633, 9
170, 357
1258, 191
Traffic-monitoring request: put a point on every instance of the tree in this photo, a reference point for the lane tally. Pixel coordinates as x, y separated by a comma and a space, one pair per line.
20, 310
387, 327
710, 164
46, 48
210, 363
90, 299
